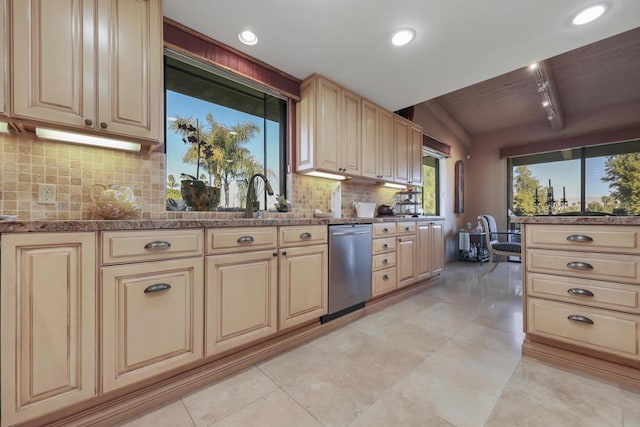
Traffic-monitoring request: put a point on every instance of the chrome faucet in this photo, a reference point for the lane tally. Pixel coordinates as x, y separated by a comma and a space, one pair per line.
248, 212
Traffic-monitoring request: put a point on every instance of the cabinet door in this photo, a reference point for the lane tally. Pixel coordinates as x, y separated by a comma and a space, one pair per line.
303, 284
386, 145
424, 251
370, 128
48, 313
53, 60
415, 156
406, 259
152, 319
241, 299
351, 142
3, 52
437, 247
329, 133
403, 146
130, 68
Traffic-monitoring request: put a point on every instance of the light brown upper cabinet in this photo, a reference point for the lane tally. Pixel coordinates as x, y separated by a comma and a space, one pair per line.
3, 58
89, 66
408, 160
329, 126
377, 142
342, 133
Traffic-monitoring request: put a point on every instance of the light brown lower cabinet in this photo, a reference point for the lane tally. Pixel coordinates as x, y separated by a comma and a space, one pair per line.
241, 299
406, 258
48, 323
437, 247
303, 284
430, 249
152, 319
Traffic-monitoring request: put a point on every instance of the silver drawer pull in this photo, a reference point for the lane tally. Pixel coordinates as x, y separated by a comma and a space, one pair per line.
245, 239
305, 236
158, 287
385, 261
385, 277
579, 265
407, 229
385, 246
581, 319
578, 291
385, 230
158, 244
579, 238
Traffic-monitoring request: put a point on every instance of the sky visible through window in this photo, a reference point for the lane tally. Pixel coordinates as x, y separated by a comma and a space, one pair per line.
567, 174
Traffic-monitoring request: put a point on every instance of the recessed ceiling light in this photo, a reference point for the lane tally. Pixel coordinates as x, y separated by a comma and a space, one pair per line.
403, 37
590, 14
248, 37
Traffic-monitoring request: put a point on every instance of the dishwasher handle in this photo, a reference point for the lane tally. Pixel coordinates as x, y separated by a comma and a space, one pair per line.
349, 233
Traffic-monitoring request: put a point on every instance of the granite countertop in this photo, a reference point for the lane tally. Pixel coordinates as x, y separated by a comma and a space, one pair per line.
153, 224
577, 220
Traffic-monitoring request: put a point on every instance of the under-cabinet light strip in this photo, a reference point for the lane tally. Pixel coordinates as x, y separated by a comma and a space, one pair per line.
77, 138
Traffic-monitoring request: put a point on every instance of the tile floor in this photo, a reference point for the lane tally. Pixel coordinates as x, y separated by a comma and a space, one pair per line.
449, 356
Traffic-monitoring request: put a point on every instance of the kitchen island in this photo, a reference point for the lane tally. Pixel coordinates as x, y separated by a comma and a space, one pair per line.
581, 302
103, 319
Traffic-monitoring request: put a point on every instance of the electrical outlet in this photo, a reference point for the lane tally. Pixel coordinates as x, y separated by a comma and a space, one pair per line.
46, 194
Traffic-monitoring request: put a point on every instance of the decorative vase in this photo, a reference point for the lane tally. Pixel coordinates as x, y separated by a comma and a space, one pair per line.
198, 196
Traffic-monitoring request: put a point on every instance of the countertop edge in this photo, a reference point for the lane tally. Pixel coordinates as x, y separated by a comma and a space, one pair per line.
577, 220
160, 224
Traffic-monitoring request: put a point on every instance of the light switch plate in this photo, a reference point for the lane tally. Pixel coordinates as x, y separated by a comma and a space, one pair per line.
47, 194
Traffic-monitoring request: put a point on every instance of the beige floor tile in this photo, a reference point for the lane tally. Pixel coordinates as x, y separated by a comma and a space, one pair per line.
331, 394
394, 410
287, 367
276, 409
444, 318
630, 408
463, 380
172, 415
538, 392
214, 403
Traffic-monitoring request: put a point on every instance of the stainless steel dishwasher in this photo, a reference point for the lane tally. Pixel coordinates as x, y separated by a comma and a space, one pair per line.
349, 268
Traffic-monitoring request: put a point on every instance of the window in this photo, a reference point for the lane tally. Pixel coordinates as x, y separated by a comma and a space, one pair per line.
600, 179
430, 185
221, 131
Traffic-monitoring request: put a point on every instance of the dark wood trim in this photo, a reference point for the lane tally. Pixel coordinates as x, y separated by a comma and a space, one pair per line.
186, 40
606, 370
607, 136
436, 145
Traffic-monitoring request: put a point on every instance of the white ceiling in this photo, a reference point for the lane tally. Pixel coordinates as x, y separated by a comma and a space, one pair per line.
458, 42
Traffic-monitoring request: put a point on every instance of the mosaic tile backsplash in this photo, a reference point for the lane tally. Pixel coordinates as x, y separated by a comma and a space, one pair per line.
26, 161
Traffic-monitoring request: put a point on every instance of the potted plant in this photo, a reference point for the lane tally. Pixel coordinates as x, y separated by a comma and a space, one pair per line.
198, 195
282, 204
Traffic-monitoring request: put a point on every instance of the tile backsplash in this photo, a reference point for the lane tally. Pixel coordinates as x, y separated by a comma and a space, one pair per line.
26, 161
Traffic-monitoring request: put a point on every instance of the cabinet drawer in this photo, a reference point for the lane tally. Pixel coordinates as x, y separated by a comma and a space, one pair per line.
594, 293
613, 267
595, 238
602, 330
385, 260
149, 245
239, 239
383, 281
384, 245
305, 235
152, 319
406, 228
384, 229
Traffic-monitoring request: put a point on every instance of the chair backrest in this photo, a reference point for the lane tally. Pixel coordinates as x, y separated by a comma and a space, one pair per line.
491, 227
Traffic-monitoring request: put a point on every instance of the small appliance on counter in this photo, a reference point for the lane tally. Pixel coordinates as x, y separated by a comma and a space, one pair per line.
385, 210
364, 210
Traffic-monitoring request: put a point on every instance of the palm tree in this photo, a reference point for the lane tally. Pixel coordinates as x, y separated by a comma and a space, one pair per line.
222, 154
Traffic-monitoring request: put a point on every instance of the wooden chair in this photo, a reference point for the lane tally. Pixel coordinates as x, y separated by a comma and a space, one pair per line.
493, 243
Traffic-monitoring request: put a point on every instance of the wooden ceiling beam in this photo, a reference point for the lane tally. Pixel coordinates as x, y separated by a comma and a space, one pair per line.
449, 122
